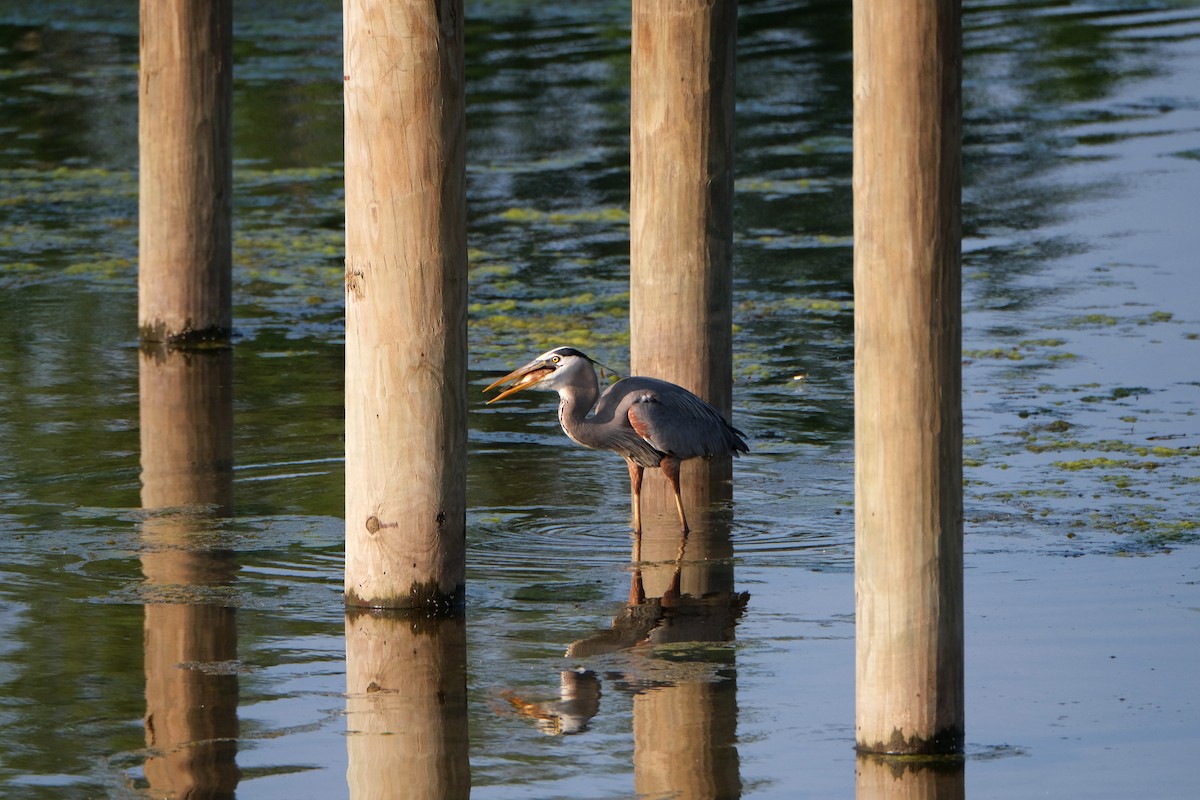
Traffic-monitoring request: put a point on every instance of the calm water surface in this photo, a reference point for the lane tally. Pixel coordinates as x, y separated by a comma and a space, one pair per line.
203, 651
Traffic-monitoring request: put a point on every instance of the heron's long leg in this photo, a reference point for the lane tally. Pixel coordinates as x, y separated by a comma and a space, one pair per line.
635, 490
670, 468
637, 589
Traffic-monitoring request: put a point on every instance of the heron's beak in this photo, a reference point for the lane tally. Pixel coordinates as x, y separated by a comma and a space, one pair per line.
521, 378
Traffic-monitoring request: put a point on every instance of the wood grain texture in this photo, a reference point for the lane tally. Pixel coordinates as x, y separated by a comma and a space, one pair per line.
185, 170
681, 194
406, 270
908, 408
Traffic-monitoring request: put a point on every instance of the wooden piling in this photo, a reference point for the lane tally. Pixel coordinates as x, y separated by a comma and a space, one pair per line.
681, 212
185, 170
908, 385
406, 268
681, 194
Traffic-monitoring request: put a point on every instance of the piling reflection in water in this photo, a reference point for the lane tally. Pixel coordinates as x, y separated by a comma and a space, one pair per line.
685, 731
684, 700
190, 636
406, 705
901, 778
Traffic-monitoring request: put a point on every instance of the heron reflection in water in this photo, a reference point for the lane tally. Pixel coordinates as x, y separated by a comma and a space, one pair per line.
649, 422
578, 702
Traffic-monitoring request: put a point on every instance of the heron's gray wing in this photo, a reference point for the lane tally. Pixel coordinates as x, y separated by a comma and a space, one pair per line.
677, 422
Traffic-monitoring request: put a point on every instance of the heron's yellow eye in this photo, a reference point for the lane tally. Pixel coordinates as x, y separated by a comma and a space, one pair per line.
556, 359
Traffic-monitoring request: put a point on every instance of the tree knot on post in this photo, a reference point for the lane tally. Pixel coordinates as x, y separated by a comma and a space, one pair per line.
374, 524
354, 282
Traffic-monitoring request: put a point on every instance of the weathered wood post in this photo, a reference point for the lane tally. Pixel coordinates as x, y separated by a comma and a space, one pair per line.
406, 308
907, 376
681, 209
185, 170
681, 194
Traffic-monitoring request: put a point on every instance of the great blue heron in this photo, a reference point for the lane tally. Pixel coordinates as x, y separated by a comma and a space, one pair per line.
651, 423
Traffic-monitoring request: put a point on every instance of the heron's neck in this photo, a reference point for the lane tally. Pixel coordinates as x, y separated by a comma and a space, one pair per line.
574, 403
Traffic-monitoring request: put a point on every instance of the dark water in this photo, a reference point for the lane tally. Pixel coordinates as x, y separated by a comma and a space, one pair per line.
144, 652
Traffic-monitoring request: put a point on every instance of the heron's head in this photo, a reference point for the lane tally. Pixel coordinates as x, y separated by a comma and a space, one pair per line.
553, 369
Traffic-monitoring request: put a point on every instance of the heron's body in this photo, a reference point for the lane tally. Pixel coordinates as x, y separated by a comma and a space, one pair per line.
649, 422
